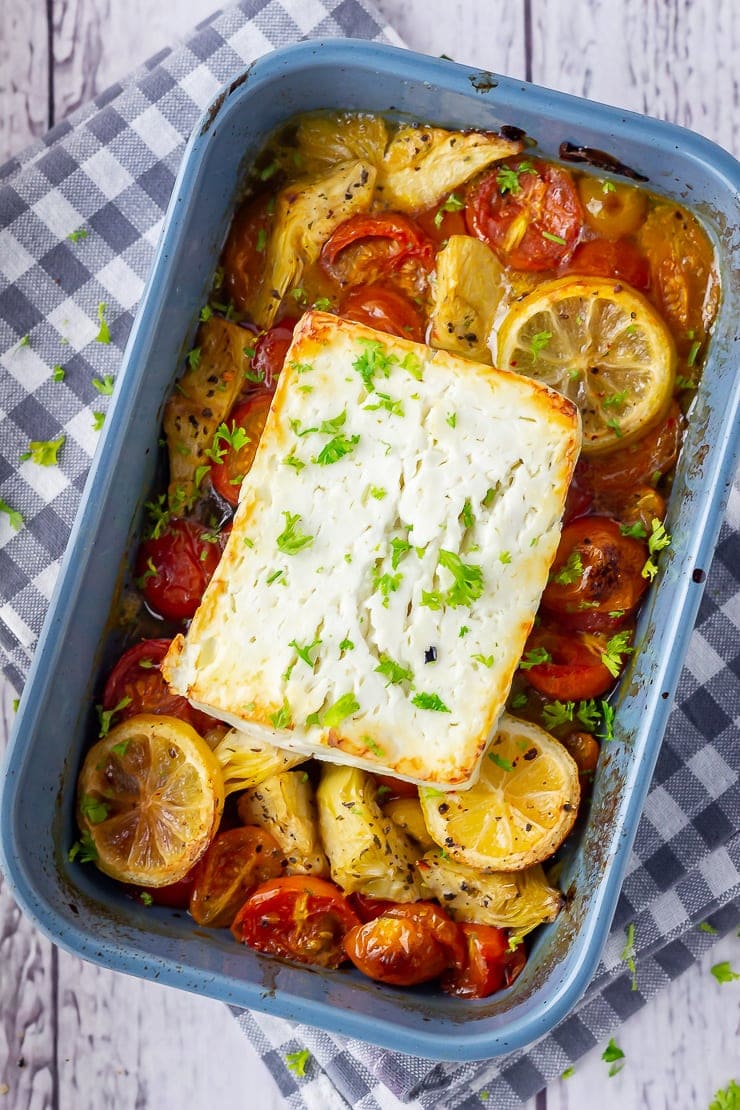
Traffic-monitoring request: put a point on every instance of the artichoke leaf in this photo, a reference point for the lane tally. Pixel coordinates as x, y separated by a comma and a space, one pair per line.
368, 853
516, 900
284, 806
246, 761
324, 141
305, 216
424, 164
466, 292
407, 814
201, 400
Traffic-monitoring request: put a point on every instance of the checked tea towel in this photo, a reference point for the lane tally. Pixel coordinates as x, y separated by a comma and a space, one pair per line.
80, 214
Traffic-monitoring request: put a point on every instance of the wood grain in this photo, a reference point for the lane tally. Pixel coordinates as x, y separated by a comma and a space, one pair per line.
678, 60
24, 74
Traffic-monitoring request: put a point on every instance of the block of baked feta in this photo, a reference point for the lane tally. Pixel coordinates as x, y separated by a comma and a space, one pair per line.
387, 558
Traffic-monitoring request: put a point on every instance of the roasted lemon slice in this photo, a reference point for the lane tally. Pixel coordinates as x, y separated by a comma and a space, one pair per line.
603, 345
520, 810
150, 796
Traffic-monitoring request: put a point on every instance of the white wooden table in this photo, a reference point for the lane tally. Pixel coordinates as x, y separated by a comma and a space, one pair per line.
74, 1037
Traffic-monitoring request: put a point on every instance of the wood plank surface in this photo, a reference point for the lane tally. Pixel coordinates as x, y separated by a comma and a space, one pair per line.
24, 74
74, 1036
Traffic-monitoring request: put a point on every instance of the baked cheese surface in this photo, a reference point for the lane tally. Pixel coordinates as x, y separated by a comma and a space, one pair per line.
389, 551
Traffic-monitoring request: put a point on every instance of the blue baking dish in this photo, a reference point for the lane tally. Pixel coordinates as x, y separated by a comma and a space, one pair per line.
78, 907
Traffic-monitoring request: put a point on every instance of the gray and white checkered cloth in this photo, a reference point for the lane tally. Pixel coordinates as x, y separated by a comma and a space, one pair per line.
109, 170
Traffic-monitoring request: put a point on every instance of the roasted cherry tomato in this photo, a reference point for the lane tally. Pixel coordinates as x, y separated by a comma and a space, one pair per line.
406, 945
584, 749
574, 669
366, 248
596, 570
440, 223
236, 862
367, 908
617, 474
612, 259
137, 676
643, 507
611, 208
245, 426
489, 965
173, 570
270, 350
579, 500
396, 788
243, 257
385, 309
528, 212
176, 895
299, 918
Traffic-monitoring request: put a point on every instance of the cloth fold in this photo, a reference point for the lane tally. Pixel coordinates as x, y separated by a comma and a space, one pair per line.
80, 215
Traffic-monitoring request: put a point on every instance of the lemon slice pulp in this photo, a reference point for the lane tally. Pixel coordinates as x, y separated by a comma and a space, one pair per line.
150, 797
520, 810
603, 345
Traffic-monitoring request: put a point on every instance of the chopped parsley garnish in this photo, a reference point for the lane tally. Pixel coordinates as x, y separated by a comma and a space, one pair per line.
399, 550
538, 343
411, 364
615, 400
608, 187
451, 419
658, 540
463, 631
519, 700
322, 303
373, 746
499, 760
273, 577
628, 955
556, 713
93, 809
554, 238
337, 447
616, 647
467, 515
374, 360
615, 426
571, 570
705, 927
146, 898
159, 516
611, 1055
150, 572
346, 645
378, 492
76, 236
490, 497
297, 1061
105, 716
486, 660
395, 408
291, 540
341, 709
508, 177
394, 672
104, 385
467, 586
454, 203
504, 557
84, 848
685, 383
727, 1098
386, 584
103, 335
282, 717
636, 531
534, 658
607, 712
695, 348
293, 460
723, 973
430, 701
44, 453
194, 358
261, 241
205, 313
568, 1073
382, 791
588, 714
304, 652
58, 374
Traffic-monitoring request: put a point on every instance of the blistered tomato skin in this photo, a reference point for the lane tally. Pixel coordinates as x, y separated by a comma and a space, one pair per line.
270, 350
173, 570
618, 259
597, 570
367, 247
574, 669
249, 417
236, 862
610, 208
616, 475
406, 945
137, 676
489, 964
385, 309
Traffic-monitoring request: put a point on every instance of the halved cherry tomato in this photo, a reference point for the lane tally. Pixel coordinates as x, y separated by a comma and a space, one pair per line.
406, 945
574, 669
641, 463
611, 258
440, 223
236, 862
533, 222
270, 350
298, 918
243, 256
137, 676
367, 908
246, 420
397, 788
366, 248
612, 208
176, 895
173, 570
489, 965
385, 309
596, 570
